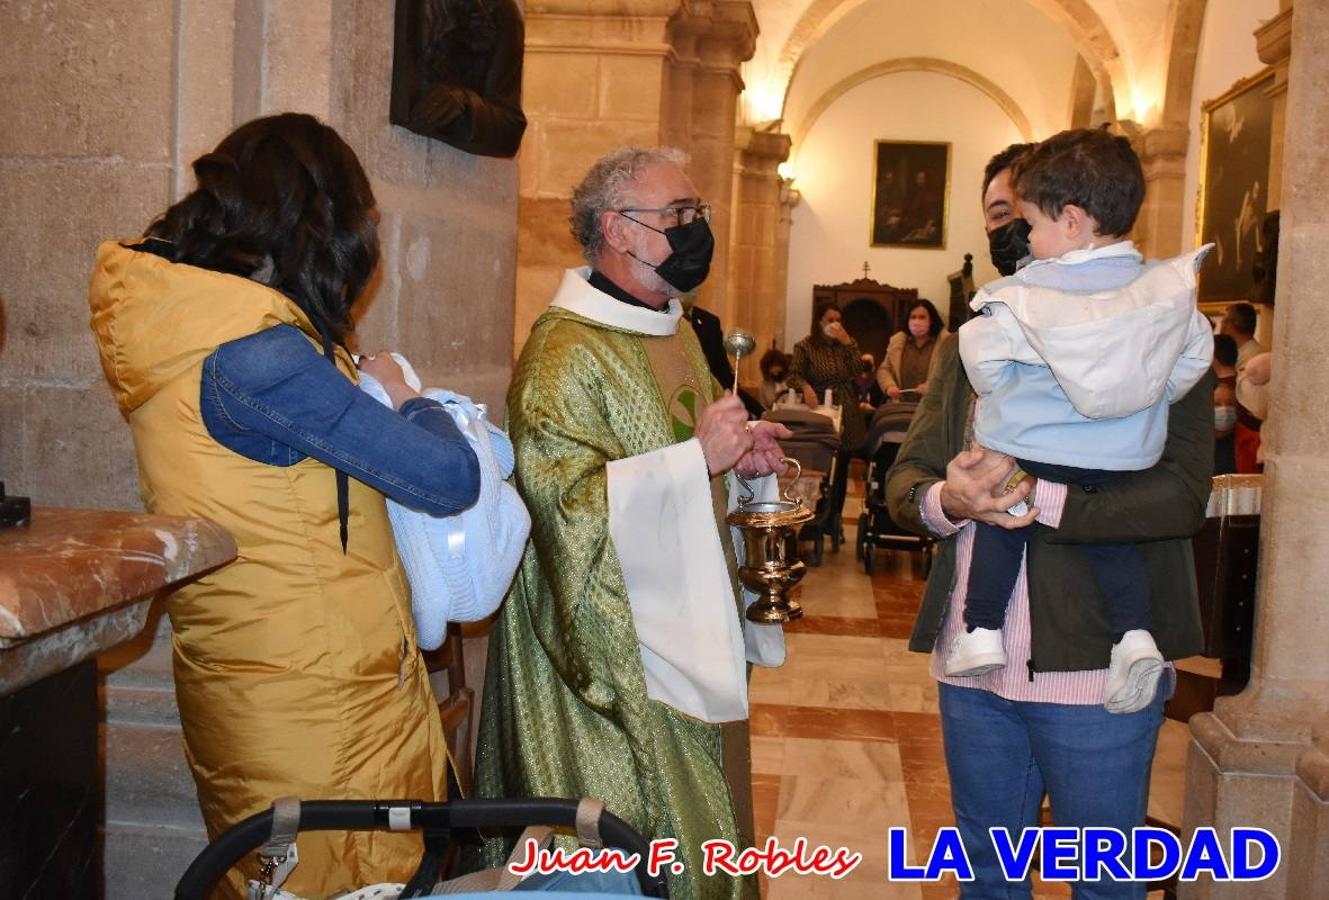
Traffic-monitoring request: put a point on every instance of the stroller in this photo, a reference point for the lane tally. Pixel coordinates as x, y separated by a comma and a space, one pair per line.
273, 834
816, 446
876, 528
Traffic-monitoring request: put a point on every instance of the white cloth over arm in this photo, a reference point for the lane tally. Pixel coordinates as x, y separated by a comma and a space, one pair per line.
764, 643
662, 523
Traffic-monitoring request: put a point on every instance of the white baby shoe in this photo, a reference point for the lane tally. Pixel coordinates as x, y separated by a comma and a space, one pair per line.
1133, 673
976, 652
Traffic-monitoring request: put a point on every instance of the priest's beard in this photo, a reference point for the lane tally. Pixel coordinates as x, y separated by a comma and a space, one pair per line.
649, 278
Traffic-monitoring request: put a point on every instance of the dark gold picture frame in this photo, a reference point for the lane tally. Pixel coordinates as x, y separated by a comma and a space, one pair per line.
911, 187
1236, 130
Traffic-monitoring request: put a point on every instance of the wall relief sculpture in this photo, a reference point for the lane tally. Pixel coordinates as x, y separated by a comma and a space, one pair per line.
456, 73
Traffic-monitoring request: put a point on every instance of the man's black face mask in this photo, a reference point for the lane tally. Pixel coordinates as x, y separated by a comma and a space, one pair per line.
690, 262
1008, 245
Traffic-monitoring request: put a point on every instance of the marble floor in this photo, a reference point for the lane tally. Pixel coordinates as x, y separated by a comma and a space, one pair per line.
846, 740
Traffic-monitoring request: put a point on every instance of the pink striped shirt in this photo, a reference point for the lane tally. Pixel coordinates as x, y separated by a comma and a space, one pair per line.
1012, 682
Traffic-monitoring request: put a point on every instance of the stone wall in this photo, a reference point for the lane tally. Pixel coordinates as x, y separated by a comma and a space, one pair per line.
86, 153
599, 76
107, 102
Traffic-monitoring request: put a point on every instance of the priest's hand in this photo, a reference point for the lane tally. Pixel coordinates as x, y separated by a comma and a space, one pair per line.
766, 456
722, 434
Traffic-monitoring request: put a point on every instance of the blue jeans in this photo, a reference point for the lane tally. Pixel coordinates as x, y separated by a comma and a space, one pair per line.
1002, 755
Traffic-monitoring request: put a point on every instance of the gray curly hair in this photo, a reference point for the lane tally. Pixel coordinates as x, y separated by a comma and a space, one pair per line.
605, 187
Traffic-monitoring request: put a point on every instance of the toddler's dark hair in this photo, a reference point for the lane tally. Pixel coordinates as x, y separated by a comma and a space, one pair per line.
1088, 168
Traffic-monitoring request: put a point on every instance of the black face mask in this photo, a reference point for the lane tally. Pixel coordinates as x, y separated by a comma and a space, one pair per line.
1008, 245
690, 262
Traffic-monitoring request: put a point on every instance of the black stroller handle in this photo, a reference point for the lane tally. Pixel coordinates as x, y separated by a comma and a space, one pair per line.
212, 864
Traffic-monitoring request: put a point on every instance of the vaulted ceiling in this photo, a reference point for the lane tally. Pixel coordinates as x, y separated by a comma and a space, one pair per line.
1034, 58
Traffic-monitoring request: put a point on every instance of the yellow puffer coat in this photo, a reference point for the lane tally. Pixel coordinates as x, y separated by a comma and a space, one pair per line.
295, 666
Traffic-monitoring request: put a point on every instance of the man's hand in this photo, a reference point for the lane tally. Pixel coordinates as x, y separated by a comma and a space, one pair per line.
810, 396
766, 455
893, 392
974, 485
384, 369
721, 432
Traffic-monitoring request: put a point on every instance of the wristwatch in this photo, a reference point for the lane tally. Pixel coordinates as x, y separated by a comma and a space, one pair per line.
1022, 507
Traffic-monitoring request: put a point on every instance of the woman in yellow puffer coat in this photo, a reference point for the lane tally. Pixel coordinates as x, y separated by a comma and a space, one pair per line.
221, 334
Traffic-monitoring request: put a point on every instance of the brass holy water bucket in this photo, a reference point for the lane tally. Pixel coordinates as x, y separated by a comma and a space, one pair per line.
770, 564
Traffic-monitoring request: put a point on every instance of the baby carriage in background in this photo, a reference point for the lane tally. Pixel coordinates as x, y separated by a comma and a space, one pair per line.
876, 528
273, 834
816, 445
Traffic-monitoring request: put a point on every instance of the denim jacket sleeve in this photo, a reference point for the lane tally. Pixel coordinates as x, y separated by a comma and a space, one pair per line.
273, 398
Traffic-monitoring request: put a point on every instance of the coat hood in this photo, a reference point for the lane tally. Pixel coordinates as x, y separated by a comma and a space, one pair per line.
154, 319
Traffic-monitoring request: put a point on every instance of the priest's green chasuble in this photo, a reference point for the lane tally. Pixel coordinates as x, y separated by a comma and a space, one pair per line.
566, 711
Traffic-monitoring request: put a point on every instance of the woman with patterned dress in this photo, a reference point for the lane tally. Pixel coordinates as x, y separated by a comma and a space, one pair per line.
830, 358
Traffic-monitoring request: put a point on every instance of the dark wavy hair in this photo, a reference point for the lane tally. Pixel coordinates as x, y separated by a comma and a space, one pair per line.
934, 318
1086, 167
1002, 160
282, 200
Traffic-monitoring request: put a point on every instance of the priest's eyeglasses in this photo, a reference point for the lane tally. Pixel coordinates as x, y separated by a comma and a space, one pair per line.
683, 215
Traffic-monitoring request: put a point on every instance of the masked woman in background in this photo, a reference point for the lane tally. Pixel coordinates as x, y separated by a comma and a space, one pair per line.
911, 355
829, 359
222, 335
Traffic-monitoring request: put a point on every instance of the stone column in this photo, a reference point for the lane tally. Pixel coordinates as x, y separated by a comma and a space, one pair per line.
1163, 155
1273, 42
647, 72
1262, 757
757, 293
789, 198
593, 80
712, 40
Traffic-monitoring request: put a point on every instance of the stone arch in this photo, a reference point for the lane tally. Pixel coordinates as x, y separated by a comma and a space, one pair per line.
1090, 35
1185, 18
915, 64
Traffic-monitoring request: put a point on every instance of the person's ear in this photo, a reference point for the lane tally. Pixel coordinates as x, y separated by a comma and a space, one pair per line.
1075, 223
614, 228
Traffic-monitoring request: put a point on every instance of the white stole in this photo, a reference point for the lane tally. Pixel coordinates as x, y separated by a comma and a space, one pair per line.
694, 648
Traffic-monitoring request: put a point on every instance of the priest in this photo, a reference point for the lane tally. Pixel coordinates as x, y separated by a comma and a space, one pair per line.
617, 667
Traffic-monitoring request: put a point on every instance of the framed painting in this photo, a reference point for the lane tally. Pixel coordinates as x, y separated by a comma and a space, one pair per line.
1235, 131
911, 187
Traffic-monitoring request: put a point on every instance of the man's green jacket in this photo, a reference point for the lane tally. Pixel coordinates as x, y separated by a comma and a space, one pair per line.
1159, 509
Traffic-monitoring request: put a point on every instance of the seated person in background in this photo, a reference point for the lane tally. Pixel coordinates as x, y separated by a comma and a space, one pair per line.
1225, 404
911, 354
1239, 322
1252, 409
1066, 393
774, 364
865, 385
